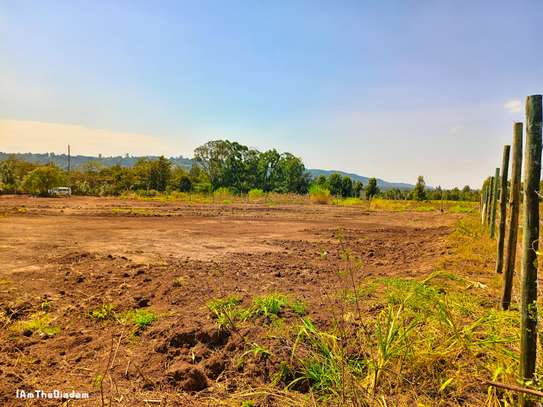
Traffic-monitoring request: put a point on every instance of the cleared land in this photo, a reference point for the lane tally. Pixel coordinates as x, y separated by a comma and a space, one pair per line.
76, 271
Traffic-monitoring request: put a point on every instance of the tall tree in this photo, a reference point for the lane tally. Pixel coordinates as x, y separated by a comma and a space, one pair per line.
419, 192
372, 189
346, 187
357, 188
159, 174
335, 184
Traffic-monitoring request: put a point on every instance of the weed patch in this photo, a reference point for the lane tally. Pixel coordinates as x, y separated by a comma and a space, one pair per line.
141, 317
104, 312
39, 322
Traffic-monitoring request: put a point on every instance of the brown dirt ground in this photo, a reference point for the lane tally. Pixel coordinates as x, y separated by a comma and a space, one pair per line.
82, 252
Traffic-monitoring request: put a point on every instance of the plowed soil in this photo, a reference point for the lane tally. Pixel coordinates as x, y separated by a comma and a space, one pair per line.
75, 254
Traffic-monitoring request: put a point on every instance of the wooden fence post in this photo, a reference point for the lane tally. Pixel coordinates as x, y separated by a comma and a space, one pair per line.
482, 204
530, 241
489, 200
510, 253
493, 203
503, 207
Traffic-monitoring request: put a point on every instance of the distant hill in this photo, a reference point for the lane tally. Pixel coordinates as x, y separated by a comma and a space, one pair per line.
364, 180
61, 160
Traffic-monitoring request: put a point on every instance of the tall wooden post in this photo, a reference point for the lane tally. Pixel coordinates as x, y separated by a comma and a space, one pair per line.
493, 203
484, 189
530, 240
489, 200
503, 207
510, 253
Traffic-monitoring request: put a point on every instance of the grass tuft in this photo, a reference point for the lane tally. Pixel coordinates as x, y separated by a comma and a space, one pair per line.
103, 312
39, 322
141, 317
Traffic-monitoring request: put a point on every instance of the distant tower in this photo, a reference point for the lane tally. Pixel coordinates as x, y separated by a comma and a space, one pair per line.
69, 158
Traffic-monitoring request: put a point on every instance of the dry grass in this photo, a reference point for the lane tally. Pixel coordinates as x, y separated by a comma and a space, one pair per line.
397, 341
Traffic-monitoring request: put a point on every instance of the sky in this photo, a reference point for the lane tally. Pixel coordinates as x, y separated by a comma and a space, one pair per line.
391, 89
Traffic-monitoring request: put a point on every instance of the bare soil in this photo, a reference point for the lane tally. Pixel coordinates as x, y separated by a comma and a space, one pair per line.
79, 253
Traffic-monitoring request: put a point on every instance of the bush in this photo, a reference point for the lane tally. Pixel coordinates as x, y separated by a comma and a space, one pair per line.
222, 194
319, 194
185, 184
42, 179
255, 194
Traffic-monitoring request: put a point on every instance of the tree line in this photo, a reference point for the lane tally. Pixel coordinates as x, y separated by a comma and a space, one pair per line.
217, 164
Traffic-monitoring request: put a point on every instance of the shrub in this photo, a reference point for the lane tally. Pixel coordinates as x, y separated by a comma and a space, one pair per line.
222, 194
185, 184
255, 194
42, 179
319, 194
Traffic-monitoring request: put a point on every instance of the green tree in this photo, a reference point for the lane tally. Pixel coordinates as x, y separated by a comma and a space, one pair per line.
199, 179
372, 189
39, 181
224, 163
12, 173
419, 192
335, 184
159, 174
292, 175
437, 193
185, 184
268, 174
357, 188
321, 181
346, 187
239, 168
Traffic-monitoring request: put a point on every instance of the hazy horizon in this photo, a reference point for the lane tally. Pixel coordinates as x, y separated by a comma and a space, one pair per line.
390, 90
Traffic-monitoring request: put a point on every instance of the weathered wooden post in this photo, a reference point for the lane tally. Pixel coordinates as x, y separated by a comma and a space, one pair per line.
510, 253
503, 207
489, 200
493, 203
530, 241
482, 202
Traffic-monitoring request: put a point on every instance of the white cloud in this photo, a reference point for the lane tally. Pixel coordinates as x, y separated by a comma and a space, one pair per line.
31, 136
513, 105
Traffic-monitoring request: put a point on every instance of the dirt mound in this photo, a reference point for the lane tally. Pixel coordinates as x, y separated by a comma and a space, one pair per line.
184, 376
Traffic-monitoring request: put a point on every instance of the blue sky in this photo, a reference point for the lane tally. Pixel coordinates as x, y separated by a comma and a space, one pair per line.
392, 89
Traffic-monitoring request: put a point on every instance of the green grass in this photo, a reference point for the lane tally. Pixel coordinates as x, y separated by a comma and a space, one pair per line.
228, 311
46, 305
298, 307
256, 194
39, 322
429, 340
103, 312
270, 305
141, 317
461, 207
